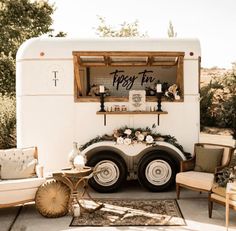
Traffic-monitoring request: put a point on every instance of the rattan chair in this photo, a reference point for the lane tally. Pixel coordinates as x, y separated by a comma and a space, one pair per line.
200, 181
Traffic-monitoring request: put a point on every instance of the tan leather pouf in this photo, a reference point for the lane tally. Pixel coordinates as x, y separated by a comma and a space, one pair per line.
52, 199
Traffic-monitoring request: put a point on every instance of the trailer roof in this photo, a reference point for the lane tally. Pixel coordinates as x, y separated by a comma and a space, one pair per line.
62, 48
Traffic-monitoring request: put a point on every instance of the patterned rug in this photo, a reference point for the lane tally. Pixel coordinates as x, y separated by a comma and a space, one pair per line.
131, 213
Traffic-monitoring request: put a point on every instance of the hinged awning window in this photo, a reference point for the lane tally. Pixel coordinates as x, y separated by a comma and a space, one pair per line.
90, 58
85, 60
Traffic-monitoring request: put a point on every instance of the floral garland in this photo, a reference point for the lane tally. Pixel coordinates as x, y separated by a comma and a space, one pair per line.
129, 136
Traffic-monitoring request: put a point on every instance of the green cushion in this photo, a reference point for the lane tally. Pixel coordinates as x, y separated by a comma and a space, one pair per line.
207, 159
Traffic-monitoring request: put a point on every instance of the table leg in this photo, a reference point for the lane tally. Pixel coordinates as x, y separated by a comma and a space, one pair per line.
86, 191
72, 202
227, 211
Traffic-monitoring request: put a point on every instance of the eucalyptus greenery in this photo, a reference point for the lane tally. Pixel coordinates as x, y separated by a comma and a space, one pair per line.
227, 174
121, 132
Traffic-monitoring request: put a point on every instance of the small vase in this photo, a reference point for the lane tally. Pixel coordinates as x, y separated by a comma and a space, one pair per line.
73, 154
79, 161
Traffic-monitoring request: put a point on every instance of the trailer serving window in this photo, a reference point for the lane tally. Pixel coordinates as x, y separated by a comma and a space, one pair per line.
121, 72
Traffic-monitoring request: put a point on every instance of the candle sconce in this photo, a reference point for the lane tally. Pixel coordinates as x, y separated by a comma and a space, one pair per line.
102, 96
159, 96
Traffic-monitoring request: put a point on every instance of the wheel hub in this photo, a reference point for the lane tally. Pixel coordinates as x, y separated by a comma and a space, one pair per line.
109, 173
158, 172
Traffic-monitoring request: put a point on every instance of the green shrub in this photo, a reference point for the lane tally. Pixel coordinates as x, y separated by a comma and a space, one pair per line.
7, 74
206, 116
218, 102
7, 121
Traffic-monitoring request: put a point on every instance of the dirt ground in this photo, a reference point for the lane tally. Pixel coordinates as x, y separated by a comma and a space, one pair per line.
217, 131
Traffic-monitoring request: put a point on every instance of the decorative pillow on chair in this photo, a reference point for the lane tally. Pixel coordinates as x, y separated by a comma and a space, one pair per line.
207, 159
18, 169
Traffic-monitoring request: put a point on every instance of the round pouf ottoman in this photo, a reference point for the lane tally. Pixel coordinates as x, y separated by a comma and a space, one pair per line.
52, 199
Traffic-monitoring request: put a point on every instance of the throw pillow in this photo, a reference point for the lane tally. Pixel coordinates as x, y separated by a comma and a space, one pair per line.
207, 159
18, 169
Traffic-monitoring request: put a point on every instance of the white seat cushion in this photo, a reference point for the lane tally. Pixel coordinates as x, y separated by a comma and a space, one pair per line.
199, 180
19, 184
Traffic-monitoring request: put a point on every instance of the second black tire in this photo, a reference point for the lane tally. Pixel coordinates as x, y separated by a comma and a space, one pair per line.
150, 168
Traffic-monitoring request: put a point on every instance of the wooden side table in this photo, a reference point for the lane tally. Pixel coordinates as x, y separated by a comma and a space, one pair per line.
75, 180
230, 190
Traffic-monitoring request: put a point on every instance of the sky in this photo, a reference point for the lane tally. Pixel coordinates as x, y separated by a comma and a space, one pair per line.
213, 22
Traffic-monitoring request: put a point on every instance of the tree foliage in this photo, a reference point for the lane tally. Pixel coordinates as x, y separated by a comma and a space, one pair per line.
19, 21
125, 29
7, 74
7, 122
218, 102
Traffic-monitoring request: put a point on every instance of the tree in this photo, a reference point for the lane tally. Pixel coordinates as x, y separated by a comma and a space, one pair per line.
218, 101
7, 74
125, 29
19, 21
171, 32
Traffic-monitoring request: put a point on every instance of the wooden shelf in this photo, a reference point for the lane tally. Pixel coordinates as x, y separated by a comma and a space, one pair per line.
132, 113
158, 113
82, 99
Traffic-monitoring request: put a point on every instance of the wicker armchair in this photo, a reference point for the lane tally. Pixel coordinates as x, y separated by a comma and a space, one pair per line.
200, 181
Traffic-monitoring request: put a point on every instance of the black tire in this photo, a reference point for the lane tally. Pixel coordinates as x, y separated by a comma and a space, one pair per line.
164, 162
114, 161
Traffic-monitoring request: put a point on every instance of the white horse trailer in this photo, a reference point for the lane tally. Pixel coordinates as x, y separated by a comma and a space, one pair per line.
57, 81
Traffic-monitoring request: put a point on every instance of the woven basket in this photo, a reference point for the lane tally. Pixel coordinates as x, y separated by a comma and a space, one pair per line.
52, 199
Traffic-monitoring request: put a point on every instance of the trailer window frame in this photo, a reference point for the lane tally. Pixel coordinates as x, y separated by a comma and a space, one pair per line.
83, 60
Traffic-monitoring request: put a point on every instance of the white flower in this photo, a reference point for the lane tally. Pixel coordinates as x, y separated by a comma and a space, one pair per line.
177, 97
137, 133
140, 137
127, 141
120, 140
116, 133
128, 132
149, 139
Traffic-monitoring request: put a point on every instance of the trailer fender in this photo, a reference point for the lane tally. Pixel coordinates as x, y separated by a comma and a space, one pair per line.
173, 151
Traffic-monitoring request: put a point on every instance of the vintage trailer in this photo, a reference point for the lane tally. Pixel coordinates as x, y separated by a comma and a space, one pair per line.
58, 82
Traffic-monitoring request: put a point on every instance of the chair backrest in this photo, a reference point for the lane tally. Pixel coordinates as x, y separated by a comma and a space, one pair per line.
227, 154
19, 154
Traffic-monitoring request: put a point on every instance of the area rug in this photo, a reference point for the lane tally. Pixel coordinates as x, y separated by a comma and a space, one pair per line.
131, 213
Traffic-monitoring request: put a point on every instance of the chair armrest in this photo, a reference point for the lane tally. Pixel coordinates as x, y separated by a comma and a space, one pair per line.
187, 165
39, 170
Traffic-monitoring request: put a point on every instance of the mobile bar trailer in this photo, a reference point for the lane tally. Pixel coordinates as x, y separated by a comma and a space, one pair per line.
59, 84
